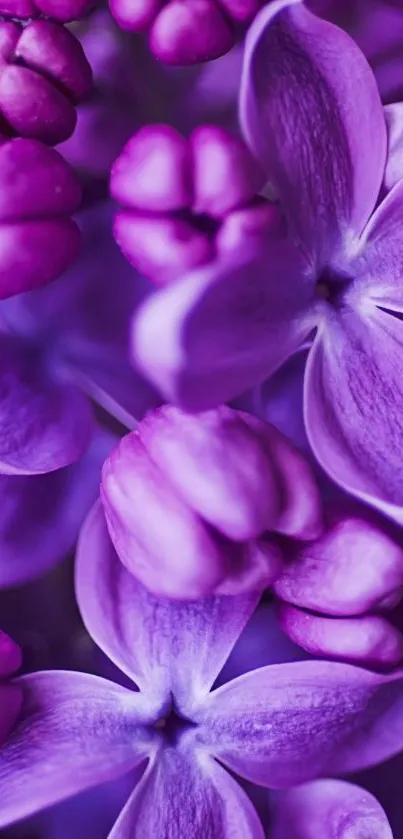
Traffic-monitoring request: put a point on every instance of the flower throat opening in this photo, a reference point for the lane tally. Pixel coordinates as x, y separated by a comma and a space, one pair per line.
331, 285
172, 726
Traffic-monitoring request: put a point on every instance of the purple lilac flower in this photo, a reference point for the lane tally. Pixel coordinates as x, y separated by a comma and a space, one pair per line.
186, 33
10, 694
276, 726
43, 75
185, 201
38, 193
312, 114
186, 532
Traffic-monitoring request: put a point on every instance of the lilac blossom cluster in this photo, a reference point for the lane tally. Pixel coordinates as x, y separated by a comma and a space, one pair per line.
201, 402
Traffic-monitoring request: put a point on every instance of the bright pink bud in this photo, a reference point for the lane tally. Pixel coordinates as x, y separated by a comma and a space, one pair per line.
181, 33
38, 239
368, 640
10, 656
353, 567
186, 200
43, 75
191, 502
60, 10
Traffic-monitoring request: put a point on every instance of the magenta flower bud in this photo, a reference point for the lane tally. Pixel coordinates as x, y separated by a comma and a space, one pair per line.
63, 11
181, 33
10, 695
368, 640
38, 192
185, 201
186, 530
356, 565
43, 75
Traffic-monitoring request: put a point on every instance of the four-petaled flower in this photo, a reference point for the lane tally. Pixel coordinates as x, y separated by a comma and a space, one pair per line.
276, 726
311, 113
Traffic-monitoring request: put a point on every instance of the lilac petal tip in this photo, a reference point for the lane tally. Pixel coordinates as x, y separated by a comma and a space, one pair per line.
328, 808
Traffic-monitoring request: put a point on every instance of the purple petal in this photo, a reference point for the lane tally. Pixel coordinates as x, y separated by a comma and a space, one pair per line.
52, 507
311, 112
285, 724
354, 405
394, 164
328, 809
165, 646
219, 330
378, 267
75, 731
185, 794
44, 424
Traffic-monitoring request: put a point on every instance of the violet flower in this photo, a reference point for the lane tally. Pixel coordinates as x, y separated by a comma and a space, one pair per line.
43, 75
185, 201
312, 114
187, 532
186, 33
11, 696
38, 193
276, 726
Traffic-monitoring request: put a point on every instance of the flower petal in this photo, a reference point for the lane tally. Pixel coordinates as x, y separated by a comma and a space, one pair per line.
394, 165
44, 424
378, 268
285, 724
185, 794
221, 329
311, 112
165, 646
75, 731
328, 808
52, 507
354, 405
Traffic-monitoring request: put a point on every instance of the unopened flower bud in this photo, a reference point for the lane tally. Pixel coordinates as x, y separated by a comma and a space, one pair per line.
60, 10
367, 640
44, 74
354, 566
38, 192
192, 502
185, 201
